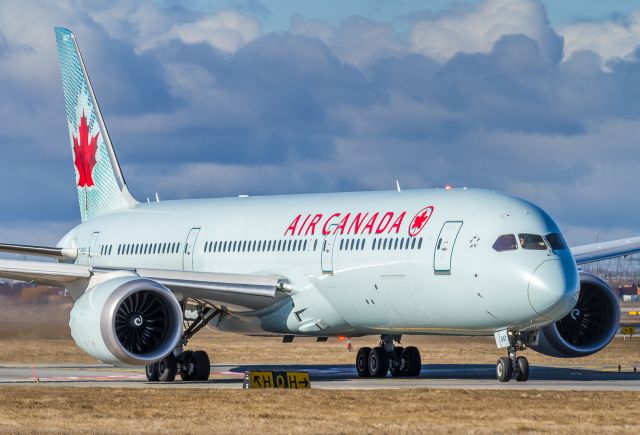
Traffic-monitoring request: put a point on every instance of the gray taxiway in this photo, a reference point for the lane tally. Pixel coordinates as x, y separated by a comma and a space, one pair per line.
333, 376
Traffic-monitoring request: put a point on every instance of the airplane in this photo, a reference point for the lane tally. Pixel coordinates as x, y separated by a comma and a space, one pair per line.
146, 277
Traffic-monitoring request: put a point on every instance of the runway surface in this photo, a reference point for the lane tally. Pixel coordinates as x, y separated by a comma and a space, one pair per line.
606, 378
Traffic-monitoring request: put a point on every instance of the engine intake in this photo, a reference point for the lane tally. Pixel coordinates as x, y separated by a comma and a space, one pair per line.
588, 328
127, 320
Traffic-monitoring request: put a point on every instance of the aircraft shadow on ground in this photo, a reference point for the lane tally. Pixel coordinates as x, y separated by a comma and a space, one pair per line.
453, 371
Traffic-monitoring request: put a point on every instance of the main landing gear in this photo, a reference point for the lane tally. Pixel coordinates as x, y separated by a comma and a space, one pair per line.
386, 357
190, 365
513, 366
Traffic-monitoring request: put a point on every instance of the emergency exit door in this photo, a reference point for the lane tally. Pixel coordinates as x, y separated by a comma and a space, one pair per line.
444, 247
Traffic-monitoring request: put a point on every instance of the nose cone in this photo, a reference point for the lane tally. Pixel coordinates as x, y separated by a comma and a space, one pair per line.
554, 287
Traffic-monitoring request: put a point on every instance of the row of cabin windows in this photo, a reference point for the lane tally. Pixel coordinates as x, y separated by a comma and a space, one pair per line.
148, 248
106, 250
381, 243
301, 245
258, 245
397, 243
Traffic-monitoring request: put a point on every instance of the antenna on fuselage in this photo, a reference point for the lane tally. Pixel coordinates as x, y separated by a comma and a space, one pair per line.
398, 186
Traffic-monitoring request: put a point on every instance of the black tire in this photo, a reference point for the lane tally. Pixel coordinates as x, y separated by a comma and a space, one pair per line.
522, 369
397, 366
187, 366
202, 365
504, 369
152, 372
412, 361
378, 362
362, 362
167, 369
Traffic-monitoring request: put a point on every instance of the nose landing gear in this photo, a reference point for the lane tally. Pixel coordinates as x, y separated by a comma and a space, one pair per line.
513, 365
386, 357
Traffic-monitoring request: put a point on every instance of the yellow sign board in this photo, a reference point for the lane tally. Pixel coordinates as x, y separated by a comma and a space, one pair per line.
296, 380
628, 330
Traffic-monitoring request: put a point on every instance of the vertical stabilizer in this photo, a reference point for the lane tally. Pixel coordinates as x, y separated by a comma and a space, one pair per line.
99, 180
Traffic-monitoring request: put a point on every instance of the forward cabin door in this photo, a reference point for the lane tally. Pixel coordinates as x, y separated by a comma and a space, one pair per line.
444, 247
93, 247
326, 260
189, 249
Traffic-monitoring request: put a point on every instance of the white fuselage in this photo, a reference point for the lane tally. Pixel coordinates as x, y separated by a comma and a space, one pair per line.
416, 262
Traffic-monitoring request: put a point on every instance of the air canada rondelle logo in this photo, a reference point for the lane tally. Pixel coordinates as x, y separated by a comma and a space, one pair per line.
420, 220
84, 151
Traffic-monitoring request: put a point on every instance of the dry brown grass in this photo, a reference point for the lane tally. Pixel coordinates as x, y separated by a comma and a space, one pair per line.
68, 410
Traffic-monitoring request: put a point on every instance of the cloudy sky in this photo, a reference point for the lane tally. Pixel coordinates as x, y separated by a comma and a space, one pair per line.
215, 98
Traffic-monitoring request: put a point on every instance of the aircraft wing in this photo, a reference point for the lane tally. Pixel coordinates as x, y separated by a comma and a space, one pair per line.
605, 250
235, 290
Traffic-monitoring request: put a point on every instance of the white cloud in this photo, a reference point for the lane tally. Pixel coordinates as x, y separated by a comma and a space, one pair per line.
226, 30
477, 28
357, 40
610, 39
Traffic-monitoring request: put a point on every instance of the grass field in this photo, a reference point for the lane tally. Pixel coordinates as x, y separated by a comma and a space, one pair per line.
32, 334
69, 410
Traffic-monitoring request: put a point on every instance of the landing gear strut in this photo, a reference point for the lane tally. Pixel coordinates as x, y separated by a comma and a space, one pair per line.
513, 365
387, 357
190, 365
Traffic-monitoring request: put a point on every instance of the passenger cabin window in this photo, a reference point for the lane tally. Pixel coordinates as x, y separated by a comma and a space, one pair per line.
555, 241
506, 242
532, 242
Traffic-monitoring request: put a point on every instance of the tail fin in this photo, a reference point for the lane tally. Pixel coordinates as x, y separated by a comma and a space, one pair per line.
101, 186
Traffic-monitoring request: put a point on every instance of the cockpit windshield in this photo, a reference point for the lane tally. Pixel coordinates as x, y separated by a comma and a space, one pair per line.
533, 242
506, 242
555, 241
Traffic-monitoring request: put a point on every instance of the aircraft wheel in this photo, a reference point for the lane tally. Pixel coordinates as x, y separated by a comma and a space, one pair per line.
398, 365
167, 368
378, 362
522, 369
504, 369
187, 366
413, 361
201, 365
152, 372
362, 362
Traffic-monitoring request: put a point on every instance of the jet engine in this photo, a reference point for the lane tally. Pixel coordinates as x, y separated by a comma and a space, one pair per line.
588, 328
127, 320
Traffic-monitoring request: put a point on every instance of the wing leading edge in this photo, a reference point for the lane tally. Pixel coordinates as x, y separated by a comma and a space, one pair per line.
248, 292
605, 250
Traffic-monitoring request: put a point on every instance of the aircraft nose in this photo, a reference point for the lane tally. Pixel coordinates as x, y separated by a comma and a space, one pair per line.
553, 288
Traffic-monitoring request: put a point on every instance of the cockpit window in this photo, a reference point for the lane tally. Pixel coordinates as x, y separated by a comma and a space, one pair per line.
534, 242
555, 241
506, 242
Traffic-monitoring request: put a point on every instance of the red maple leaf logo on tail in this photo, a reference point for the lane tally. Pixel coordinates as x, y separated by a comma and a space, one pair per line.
85, 153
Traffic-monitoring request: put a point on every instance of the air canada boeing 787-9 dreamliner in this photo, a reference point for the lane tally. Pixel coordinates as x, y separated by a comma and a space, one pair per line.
146, 277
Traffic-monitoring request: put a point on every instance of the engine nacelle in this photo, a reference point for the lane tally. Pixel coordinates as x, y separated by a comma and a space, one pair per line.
127, 320
588, 328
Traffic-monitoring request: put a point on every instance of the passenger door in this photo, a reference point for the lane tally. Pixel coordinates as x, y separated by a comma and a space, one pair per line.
93, 247
326, 259
189, 249
444, 247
